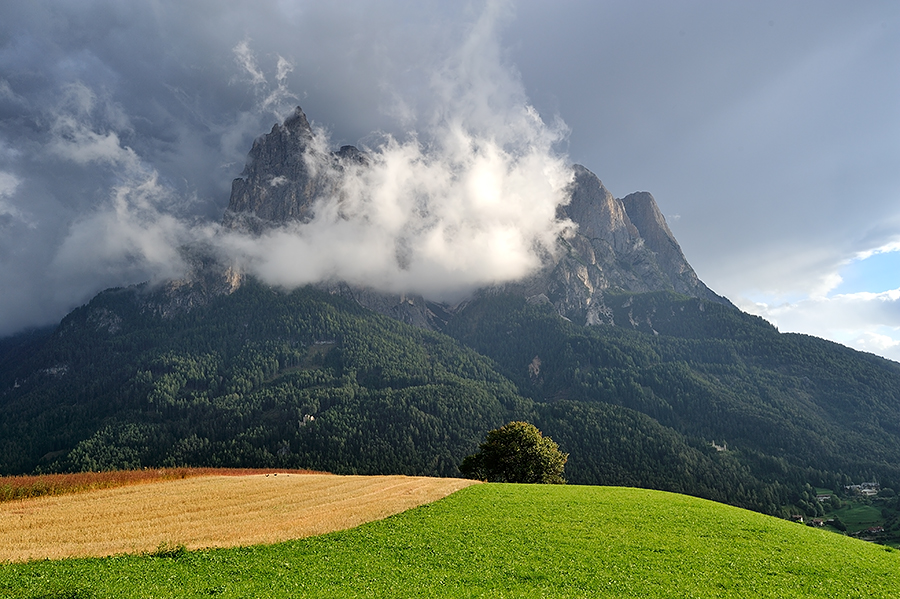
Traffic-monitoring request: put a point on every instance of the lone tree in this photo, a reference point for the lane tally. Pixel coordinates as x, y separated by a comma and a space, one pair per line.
516, 453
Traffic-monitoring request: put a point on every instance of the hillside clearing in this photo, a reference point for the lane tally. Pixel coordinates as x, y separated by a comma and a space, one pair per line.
213, 511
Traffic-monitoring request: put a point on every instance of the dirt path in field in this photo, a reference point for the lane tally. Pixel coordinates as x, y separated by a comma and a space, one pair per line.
215, 511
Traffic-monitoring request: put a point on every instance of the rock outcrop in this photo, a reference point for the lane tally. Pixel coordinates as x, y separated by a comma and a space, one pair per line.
619, 245
284, 176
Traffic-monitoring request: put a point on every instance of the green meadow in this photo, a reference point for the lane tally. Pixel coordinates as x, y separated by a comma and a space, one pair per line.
504, 540
858, 516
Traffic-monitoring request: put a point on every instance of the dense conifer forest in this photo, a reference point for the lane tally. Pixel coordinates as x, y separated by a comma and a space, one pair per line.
682, 394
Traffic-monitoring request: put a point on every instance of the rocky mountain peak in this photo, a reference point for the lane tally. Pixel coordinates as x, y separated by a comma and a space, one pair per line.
620, 245
284, 175
644, 213
296, 124
598, 214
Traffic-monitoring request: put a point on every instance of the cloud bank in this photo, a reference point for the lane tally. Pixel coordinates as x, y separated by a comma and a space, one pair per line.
770, 128
469, 200
460, 188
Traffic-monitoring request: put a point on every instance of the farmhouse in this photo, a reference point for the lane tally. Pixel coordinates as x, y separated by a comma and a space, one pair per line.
864, 489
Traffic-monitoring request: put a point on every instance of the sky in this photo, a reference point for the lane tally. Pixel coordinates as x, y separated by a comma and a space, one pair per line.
767, 131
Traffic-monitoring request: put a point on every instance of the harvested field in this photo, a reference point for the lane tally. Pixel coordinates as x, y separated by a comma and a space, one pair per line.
22, 487
209, 511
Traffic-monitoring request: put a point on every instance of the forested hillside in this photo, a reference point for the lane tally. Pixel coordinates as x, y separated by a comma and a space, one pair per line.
258, 377
307, 379
789, 407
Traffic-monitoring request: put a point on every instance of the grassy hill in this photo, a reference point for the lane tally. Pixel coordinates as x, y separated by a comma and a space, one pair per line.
500, 540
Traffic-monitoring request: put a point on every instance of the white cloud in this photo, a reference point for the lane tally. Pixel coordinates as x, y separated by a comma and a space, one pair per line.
469, 200
779, 272
127, 239
245, 58
878, 343
6, 92
81, 145
8, 185
131, 234
438, 221
74, 134
276, 100
892, 246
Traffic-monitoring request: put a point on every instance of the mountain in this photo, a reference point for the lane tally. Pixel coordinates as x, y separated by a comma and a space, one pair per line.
285, 174
619, 244
614, 348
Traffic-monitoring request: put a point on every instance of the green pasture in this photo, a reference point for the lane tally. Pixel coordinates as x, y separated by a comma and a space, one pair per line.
857, 516
503, 540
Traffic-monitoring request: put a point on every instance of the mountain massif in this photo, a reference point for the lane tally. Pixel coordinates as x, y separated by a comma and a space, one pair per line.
618, 245
614, 348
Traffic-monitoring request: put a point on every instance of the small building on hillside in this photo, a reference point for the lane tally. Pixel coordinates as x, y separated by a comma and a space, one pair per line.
864, 489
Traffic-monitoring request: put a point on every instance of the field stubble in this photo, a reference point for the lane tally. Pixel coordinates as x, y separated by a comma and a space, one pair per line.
206, 511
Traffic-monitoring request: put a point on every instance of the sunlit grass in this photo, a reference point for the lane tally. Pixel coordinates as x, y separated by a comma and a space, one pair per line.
507, 541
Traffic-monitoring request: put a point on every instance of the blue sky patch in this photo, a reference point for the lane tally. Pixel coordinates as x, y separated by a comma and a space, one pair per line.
877, 273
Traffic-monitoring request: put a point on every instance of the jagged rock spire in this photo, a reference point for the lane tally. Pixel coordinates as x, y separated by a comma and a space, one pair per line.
618, 245
284, 175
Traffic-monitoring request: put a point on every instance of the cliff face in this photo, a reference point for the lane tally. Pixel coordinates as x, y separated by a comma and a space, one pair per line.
277, 184
651, 226
619, 245
284, 176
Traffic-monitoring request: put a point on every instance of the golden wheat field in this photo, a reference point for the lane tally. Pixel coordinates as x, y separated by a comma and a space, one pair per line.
207, 511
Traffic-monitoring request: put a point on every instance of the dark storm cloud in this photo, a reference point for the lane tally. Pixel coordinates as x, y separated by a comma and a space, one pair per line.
129, 121
769, 127
767, 131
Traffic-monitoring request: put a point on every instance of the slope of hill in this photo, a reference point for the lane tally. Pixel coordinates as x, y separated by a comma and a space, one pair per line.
789, 407
258, 377
305, 379
501, 540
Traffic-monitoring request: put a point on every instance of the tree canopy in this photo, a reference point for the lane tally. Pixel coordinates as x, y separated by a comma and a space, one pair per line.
517, 453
